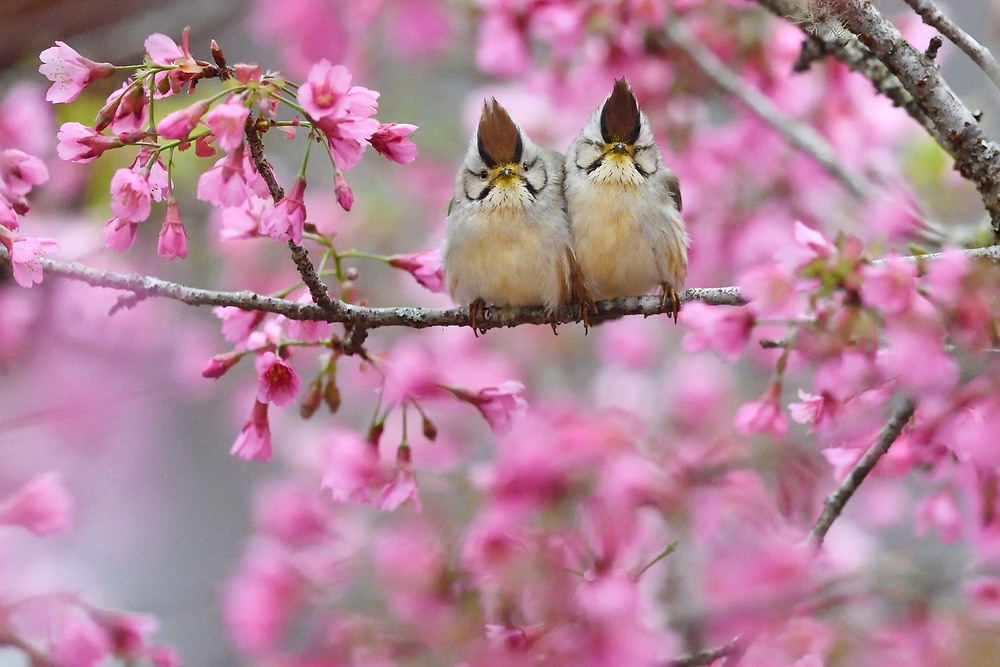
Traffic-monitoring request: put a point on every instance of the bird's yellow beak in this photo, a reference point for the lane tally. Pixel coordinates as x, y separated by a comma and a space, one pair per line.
618, 151
505, 174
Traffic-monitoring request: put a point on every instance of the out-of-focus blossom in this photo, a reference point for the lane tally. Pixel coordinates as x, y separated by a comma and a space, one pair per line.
763, 415
43, 505
725, 329
426, 266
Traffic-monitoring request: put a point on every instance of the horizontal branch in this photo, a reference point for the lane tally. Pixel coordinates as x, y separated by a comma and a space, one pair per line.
365, 318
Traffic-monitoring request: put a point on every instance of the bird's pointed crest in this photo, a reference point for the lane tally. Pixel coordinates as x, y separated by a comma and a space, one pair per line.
620, 115
499, 138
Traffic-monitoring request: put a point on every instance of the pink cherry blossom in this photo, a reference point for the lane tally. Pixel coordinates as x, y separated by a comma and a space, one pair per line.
120, 234
390, 140
291, 512
345, 196
811, 409
285, 221
226, 122
401, 486
43, 505
80, 641
259, 599
254, 440
502, 406
352, 469
426, 266
890, 285
347, 138
26, 253
165, 52
726, 329
278, 382
328, 93
809, 246
131, 195
232, 181
70, 72
763, 415
81, 144
179, 124
172, 241
218, 365
502, 49
237, 324
126, 110
243, 222
19, 172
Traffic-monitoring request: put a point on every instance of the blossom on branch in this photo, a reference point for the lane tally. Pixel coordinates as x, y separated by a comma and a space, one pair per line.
285, 221
278, 382
70, 72
390, 140
226, 122
254, 440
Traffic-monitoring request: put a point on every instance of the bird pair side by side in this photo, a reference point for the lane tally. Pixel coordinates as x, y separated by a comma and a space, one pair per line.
527, 226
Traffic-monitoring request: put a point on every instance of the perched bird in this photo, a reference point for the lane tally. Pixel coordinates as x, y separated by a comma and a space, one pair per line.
507, 238
624, 206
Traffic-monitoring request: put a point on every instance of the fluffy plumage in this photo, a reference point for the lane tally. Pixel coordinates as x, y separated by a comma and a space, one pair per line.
624, 205
507, 238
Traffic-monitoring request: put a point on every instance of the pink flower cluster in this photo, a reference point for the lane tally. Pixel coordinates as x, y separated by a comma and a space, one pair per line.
19, 174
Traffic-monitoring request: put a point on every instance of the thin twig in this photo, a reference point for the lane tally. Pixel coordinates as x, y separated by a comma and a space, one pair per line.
708, 656
835, 502
317, 290
797, 134
978, 53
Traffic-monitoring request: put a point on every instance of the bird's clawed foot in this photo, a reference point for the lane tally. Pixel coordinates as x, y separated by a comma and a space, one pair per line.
670, 301
477, 311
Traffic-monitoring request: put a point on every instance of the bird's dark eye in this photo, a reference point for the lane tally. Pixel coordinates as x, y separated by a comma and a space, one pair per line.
483, 174
525, 165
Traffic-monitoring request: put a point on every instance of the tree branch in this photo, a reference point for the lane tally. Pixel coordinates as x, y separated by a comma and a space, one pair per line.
365, 318
797, 134
978, 53
820, 41
317, 290
835, 502
977, 156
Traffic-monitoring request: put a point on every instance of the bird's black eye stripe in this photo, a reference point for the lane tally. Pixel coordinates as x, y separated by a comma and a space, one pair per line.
590, 168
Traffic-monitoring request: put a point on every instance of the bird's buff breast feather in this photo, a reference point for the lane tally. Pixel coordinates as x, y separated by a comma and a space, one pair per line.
503, 259
625, 239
